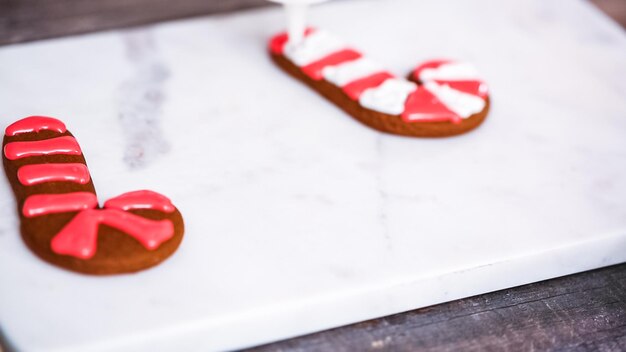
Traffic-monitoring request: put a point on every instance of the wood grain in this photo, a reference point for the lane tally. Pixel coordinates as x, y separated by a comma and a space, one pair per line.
27, 20
584, 312
616, 9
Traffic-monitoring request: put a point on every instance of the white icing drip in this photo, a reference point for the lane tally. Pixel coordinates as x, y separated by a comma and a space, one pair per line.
454, 71
389, 97
461, 103
347, 72
312, 48
296, 21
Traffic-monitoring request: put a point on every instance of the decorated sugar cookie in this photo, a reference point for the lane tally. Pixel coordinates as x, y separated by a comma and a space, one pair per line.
440, 98
61, 219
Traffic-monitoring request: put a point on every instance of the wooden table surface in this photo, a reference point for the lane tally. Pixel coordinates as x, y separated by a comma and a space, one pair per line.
582, 312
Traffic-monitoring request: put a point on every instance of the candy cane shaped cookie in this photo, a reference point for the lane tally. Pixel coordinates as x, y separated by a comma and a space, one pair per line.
440, 98
61, 220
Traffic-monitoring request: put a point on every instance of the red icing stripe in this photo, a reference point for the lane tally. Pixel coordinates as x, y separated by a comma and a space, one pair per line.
354, 89
80, 236
29, 175
423, 106
141, 200
277, 43
35, 124
473, 87
428, 64
44, 204
314, 69
61, 145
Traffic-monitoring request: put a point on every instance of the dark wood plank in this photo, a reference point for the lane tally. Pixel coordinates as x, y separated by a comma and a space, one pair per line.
583, 312
614, 8
27, 20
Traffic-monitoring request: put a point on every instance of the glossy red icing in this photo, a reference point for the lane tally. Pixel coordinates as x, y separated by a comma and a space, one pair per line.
61, 145
423, 106
420, 106
354, 89
44, 204
314, 69
35, 124
277, 43
34, 174
141, 200
473, 87
79, 238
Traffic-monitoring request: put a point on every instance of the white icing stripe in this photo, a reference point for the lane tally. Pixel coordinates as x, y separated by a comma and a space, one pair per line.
455, 71
350, 71
389, 97
315, 46
461, 103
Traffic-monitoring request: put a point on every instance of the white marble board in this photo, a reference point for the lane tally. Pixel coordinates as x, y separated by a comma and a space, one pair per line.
298, 218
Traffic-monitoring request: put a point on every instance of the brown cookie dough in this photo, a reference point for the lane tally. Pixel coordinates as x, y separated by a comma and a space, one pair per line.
384, 122
46, 175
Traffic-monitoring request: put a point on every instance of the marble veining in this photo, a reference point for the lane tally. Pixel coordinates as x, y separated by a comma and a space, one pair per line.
141, 98
293, 209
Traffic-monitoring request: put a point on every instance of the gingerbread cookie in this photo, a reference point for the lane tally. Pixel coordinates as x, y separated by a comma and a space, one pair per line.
440, 98
61, 221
